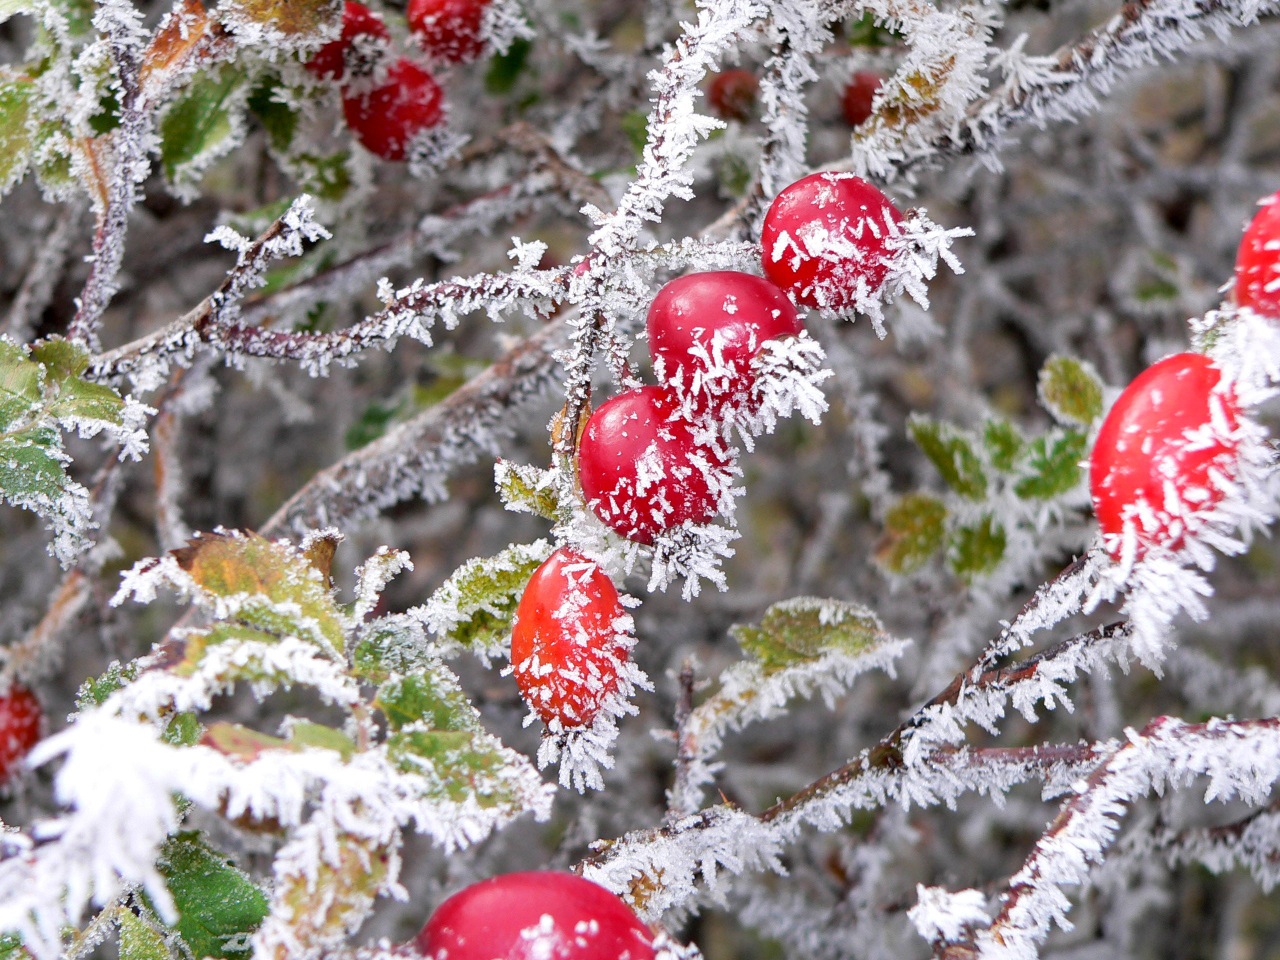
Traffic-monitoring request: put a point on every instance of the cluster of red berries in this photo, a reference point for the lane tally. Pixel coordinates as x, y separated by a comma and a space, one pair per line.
1168, 451
654, 458
522, 916
732, 94
387, 109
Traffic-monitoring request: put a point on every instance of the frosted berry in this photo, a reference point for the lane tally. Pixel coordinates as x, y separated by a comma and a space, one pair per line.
732, 94
565, 641
1158, 451
20, 722
362, 32
705, 328
449, 30
858, 96
534, 916
641, 468
1258, 261
387, 118
824, 236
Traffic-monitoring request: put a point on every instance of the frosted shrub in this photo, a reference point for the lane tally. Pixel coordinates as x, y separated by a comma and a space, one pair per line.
886, 626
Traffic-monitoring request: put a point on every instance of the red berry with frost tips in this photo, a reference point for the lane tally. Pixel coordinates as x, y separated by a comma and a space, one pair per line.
1258, 261
20, 722
733, 94
1163, 452
568, 640
825, 236
705, 328
449, 30
387, 118
362, 32
535, 916
859, 95
641, 467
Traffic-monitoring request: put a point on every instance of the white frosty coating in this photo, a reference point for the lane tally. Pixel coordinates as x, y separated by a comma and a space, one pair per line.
373, 576
942, 915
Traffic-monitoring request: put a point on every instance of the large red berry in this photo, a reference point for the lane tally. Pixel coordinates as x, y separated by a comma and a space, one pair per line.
641, 468
859, 95
705, 328
449, 30
387, 118
733, 93
535, 916
359, 26
1258, 261
1159, 450
20, 722
824, 237
565, 640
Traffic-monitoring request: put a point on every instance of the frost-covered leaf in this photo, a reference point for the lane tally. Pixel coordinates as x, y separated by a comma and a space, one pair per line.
1003, 444
290, 24
952, 452
914, 529
1071, 390
178, 39
16, 140
95, 691
278, 118
804, 628
526, 489
390, 645
505, 68
472, 610
218, 905
322, 903
977, 548
1053, 465
138, 940
200, 125
240, 742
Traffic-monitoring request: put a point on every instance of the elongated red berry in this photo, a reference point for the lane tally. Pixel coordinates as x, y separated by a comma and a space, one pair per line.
449, 30
642, 469
732, 94
20, 722
824, 237
859, 95
567, 640
705, 328
1258, 261
535, 916
362, 31
1163, 453
387, 118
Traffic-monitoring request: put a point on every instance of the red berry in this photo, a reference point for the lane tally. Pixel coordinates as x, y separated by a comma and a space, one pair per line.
20, 721
565, 639
449, 30
330, 61
824, 235
1258, 261
858, 96
388, 117
733, 93
535, 916
716, 320
642, 470
1158, 450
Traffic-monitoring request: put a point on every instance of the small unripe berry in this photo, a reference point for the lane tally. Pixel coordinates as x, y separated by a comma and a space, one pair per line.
535, 916
859, 95
825, 236
449, 30
642, 469
20, 721
1258, 262
1162, 453
360, 27
565, 640
705, 328
732, 94
387, 118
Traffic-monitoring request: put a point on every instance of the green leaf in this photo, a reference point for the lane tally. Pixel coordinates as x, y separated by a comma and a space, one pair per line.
199, 121
278, 119
183, 730
304, 733
61, 358
32, 467
977, 549
17, 98
951, 451
505, 68
474, 607
21, 384
371, 425
138, 941
458, 765
1071, 390
804, 628
94, 691
425, 698
1003, 443
1056, 465
387, 646
9, 8
11, 947
326, 176
914, 530
526, 489
635, 126
218, 905
81, 400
